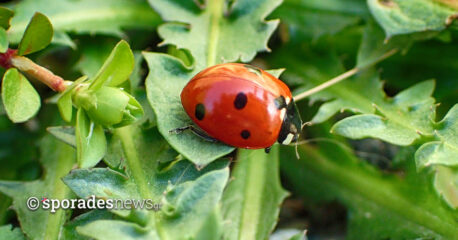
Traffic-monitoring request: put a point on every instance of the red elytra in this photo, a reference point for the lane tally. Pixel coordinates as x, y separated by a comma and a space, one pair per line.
242, 106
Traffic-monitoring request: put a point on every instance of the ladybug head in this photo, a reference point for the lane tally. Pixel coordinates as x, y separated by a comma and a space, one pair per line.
291, 126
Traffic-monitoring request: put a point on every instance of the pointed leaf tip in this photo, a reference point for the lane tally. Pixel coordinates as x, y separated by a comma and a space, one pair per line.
117, 68
91, 143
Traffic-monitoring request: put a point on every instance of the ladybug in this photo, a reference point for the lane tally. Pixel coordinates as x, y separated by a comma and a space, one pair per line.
242, 106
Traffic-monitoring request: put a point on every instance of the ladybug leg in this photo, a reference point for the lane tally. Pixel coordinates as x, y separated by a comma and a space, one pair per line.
194, 130
267, 149
179, 130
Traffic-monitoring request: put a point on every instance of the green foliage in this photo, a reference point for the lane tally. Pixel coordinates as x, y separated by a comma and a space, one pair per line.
37, 35
100, 103
250, 202
188, 196
406, 119
64, 133
64, 102
211, 35
5, 17
84, 17
445, 184
312, 19
101, 99
401, 120
380, 205
69, 231
407, 16
91, 144
201, 189
3, 41
20, 99
57, 159
116, 69
442, 151
374, 47
8, 232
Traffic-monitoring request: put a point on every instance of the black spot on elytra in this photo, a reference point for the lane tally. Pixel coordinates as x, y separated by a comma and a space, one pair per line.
240, 100
200, 111
245, 134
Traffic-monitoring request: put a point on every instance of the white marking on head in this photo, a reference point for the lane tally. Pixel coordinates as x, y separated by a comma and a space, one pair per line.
282, 114
288, 139
287, 100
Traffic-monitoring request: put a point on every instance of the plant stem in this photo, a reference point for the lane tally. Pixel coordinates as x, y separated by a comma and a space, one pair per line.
66, 160
136, 168
327, 84
342, 76
216, 13
40, 73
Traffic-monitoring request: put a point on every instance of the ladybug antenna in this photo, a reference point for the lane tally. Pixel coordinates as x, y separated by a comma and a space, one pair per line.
306, 124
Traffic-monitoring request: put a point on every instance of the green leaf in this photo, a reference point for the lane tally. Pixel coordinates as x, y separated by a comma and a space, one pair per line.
136, 78
446, 184
412, 111
63, 39
3, 41
403, 119
188, 195
70, 232
57, 159
94, 53
107, 106
8, 232
276, 72
312, 19
64, 133
5, 17
64, 101
212, 34
380, 205
37, 35
443, 153
403, 17
106, 17
447, 129
436, 152
91, 143
115, 229
370, 125
211, 228
192, 200
422, 62
251, 200
116, 69
164, 97
374, 47
20, 99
